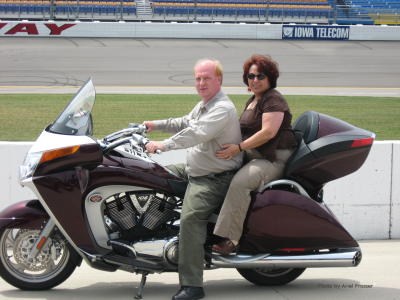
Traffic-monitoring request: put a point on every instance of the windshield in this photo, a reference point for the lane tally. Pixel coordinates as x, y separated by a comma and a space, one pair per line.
76, 119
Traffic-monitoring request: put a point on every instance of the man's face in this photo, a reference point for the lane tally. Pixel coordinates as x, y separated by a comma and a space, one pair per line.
208, 83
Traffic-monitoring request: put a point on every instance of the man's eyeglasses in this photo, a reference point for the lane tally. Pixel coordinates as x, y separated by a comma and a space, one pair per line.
251, 76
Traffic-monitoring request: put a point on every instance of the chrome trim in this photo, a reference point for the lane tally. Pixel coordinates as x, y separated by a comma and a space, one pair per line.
95, 210
126, 246
116, 144
131, 151
324, 260
151, 248
292, 183
93, 258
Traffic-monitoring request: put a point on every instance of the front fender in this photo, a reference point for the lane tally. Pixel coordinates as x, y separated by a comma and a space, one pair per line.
27, 214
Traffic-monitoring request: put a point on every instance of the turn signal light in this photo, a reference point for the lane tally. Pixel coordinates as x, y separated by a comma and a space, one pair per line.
56, 153
362, 142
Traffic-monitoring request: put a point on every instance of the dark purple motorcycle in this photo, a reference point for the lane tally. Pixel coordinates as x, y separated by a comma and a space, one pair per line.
108, 203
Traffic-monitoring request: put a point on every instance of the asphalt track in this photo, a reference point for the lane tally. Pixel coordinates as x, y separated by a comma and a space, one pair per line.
165, 65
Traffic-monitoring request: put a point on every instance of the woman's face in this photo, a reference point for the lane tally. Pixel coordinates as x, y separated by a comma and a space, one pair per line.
257, 86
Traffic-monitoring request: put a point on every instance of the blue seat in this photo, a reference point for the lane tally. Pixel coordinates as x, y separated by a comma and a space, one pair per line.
85, 9
129, 10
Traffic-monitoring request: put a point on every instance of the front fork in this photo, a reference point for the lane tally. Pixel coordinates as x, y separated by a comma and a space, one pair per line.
43, 239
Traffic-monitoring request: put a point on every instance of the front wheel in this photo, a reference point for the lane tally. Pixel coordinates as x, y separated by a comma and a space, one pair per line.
52, 266
266, 276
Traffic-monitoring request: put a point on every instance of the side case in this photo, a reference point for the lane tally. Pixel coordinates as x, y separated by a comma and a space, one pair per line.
280, 220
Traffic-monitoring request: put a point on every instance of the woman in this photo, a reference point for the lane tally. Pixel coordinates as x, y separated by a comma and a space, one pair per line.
268, 141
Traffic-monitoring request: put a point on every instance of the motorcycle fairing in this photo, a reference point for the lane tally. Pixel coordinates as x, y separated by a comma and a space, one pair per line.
88, 155
28, 214
48, 141
285, 220
65, 192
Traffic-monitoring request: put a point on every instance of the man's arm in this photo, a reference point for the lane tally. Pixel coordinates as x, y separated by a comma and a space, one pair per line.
199, 131
171, 125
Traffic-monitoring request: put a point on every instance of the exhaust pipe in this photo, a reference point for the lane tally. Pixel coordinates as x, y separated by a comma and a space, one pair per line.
338, 259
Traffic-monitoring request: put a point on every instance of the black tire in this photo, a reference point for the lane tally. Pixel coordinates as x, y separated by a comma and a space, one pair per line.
58, 269
264, 276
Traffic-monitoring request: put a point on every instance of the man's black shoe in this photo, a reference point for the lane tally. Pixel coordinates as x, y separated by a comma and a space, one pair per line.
189, 293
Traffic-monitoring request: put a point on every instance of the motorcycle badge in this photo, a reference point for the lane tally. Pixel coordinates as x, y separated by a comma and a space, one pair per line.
96, 198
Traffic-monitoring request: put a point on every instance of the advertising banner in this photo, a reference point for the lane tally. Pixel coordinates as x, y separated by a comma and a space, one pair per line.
13, 28
138, 30
313, 32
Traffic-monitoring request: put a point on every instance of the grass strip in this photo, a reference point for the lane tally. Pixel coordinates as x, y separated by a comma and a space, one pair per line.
23, 116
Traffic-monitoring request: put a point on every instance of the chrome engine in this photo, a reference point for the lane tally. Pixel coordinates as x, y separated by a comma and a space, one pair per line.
141, 211
145, 221
165, 250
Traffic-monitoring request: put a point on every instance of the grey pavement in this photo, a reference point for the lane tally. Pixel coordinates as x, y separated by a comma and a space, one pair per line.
121, 65
377, 277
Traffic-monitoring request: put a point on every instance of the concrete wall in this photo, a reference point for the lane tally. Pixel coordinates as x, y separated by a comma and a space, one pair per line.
395, 196
367, 202
364, 201
380, 33
12, 155
196, 30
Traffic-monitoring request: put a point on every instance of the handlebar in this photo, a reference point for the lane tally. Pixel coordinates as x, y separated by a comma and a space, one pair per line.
135, 133
133, 128
111, 146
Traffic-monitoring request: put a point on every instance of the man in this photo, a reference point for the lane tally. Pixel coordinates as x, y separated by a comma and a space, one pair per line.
212, 123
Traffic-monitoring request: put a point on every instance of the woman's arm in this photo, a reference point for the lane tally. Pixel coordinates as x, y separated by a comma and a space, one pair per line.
271, 122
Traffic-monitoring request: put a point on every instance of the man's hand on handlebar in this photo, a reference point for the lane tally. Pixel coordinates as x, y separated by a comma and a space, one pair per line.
149, 125
152, 147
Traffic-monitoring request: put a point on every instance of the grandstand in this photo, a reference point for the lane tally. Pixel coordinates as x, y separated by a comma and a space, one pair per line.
269, 11
256, 11
376, 11
66, 9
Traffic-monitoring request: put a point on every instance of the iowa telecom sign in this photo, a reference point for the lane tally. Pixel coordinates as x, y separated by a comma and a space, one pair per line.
311, 32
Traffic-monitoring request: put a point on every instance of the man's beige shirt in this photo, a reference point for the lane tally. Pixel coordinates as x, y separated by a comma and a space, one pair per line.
203, 131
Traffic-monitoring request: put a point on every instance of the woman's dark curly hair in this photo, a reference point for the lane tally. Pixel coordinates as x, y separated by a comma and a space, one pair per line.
265, 65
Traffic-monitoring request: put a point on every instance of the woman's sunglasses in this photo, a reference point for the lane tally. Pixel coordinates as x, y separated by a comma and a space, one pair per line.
251, 76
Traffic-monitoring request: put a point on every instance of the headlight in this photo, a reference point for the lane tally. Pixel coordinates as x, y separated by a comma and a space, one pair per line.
29, 165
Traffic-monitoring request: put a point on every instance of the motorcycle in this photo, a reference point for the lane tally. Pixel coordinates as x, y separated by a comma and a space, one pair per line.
107, 202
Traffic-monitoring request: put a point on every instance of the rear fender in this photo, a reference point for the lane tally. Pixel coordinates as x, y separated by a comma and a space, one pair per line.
27, 214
